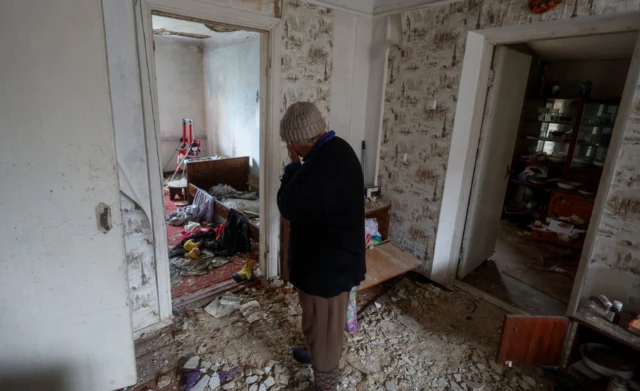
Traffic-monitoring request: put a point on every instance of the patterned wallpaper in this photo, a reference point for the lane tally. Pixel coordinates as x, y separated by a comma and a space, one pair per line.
415, 143
306, 55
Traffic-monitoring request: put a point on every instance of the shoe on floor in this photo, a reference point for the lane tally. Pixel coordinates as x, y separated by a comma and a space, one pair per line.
246, 273
301, 356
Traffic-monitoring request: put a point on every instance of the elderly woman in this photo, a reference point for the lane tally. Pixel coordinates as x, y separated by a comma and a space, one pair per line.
323, 199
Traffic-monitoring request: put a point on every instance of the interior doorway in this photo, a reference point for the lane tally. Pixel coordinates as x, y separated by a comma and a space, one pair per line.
209, 86
546, 133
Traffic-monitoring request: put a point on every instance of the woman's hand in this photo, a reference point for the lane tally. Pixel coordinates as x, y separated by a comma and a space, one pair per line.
293, 155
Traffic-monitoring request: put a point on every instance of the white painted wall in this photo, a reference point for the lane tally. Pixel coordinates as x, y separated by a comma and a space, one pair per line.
65, 321
353, 89
133, 174
232, 98
180, 91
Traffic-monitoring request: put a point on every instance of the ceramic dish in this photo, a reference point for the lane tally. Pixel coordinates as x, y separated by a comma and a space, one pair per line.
568, 185
607, 361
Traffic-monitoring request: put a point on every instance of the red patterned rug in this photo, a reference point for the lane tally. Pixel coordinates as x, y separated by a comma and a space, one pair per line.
195, 283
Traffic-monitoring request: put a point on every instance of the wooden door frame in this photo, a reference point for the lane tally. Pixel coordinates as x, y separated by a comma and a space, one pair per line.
270, 47
469, 117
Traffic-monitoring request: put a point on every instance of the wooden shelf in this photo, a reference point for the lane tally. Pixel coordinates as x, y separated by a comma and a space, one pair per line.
608, 329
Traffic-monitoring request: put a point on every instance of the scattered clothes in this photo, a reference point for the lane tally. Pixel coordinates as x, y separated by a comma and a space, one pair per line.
201, 209
351, 325
225, 191
206, 263
371, 234
191, 378
235, 237
246, 273
192, 226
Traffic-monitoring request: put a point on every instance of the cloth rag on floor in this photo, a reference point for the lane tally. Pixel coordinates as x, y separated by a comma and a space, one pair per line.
201, 209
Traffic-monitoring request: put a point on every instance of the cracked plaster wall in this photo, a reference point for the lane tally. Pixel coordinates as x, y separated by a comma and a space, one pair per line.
415, 141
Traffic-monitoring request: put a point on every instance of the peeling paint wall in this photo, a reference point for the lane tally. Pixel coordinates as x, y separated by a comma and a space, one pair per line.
141, 267
415, 141
232, 99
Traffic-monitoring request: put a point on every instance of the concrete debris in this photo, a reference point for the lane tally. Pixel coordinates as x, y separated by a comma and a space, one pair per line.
163, 381
410, 323
531, 381
219, 310
269, 382
201, 384
182, 334
474, 386
524, 384
205, 365
251, 311
214, 382
192, 363
399, 346
378, 305
276, 282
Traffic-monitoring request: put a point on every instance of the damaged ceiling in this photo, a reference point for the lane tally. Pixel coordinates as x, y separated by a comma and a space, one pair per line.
378, 7
218, 34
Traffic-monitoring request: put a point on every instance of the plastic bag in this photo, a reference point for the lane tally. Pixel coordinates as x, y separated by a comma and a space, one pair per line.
352, 313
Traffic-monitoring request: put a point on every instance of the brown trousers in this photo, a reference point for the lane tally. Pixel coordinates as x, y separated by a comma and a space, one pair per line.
323, 323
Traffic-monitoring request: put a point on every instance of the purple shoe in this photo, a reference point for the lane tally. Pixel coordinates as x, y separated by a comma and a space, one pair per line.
301, 356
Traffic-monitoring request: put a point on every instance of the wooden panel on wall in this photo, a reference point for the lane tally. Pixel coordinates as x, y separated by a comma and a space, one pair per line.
532, 340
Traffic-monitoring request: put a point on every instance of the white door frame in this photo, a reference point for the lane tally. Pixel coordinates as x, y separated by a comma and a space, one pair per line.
271, 35
468, 122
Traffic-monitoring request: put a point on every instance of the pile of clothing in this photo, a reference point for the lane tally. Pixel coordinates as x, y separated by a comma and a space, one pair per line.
203, 250
371, 235
202, 209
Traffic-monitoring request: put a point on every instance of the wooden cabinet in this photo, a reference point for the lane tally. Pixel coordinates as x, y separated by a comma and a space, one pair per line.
556, 341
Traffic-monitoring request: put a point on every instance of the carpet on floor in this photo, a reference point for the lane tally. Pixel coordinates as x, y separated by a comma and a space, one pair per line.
193, 284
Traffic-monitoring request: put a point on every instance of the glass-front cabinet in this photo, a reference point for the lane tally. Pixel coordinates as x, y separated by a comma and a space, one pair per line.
594, 134
567, 135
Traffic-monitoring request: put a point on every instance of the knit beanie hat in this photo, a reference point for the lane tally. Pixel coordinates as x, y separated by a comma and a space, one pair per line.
301, 121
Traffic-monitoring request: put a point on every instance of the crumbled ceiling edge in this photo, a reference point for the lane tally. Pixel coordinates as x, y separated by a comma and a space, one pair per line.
181, 34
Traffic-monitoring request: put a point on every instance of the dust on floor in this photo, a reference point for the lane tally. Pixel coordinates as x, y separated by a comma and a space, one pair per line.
420, 338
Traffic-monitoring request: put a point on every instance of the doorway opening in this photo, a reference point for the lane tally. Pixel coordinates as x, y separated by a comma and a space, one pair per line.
209, 84
548, 123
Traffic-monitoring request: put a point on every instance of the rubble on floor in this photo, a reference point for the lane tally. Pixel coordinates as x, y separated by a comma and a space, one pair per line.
417, 337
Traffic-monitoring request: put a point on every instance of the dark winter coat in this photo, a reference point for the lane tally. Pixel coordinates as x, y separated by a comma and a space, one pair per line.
324, 202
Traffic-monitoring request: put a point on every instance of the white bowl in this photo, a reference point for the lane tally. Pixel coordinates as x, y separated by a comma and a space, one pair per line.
569, 185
